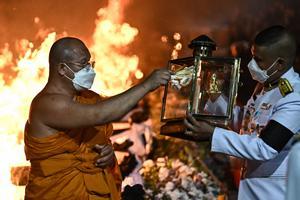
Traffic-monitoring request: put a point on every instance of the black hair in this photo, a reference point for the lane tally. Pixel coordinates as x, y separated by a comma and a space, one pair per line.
60, 50
279, 41
270, 36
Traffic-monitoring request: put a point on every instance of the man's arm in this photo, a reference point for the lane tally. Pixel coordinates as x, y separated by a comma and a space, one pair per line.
283, 125
245, 146
61, 112
229, 142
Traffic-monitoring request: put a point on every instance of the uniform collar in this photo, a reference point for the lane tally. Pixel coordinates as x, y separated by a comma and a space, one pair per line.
289, 75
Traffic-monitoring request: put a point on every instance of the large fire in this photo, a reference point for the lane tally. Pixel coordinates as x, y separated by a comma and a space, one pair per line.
114, 72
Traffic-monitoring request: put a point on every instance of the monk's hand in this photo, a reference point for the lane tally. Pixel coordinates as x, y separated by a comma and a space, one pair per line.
157, 78
106, 156
199, 129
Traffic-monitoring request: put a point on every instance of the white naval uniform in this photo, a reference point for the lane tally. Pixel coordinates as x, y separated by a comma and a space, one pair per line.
266, 173
293, 191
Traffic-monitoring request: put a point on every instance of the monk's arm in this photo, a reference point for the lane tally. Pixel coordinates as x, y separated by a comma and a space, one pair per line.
61, 112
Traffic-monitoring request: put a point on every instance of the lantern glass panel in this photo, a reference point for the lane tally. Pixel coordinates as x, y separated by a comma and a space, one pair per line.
215, 88
206, 87
178, 91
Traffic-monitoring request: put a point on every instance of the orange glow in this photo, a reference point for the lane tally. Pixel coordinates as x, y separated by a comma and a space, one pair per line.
177, 46
139, 74
164, 38
177, 36
113, 68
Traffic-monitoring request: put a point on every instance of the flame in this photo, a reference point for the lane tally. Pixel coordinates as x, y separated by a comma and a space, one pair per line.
109, 37
31, 76
114, 70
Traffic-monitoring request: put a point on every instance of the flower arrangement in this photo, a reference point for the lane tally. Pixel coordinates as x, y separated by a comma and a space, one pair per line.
171, 179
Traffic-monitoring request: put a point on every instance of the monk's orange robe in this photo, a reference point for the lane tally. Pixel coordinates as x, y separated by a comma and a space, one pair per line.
62, 165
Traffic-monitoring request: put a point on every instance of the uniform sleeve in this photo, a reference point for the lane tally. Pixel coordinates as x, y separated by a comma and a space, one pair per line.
287, 112
248, 147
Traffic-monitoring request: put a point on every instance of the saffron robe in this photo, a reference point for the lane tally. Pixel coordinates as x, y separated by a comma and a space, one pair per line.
63, 164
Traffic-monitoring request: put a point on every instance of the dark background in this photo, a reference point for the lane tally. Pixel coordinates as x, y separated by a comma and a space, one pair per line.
231, 23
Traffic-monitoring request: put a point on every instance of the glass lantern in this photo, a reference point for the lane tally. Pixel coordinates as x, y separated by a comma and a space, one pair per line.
202, 85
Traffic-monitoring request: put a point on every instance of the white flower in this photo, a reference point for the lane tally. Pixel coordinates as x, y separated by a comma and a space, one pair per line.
142, 171
175, 179
175, 195
209, 196
197, 177
192, 193
159, 196
179, 181
185, 171
169, 186
211, 189
163, 173
160, 159
127, 181
148, 164
161, 162
204, 180
184, 196
203, 174
176, 164
193, 189
200, 195
148, 191
193, 169
185, 183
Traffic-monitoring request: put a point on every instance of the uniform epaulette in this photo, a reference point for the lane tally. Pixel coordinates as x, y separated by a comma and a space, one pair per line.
285, 87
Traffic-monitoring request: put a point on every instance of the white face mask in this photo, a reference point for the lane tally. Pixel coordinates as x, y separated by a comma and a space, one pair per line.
83, 79
257, 73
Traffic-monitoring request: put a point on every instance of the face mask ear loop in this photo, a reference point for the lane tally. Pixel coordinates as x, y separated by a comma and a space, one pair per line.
69, 69
273, 66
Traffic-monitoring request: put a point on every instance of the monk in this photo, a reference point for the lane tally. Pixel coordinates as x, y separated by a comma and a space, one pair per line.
68, 129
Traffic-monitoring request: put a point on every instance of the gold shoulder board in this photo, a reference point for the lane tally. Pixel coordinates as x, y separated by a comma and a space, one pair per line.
285, 87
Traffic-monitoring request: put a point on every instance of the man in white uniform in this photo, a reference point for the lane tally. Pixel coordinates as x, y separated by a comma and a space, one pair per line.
271, 118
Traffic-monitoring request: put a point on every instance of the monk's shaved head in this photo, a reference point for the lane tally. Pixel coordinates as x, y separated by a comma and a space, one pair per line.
279, 43
65, 50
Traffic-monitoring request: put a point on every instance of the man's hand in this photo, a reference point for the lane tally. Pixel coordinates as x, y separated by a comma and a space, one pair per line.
200, 130
157, 78
107, 156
